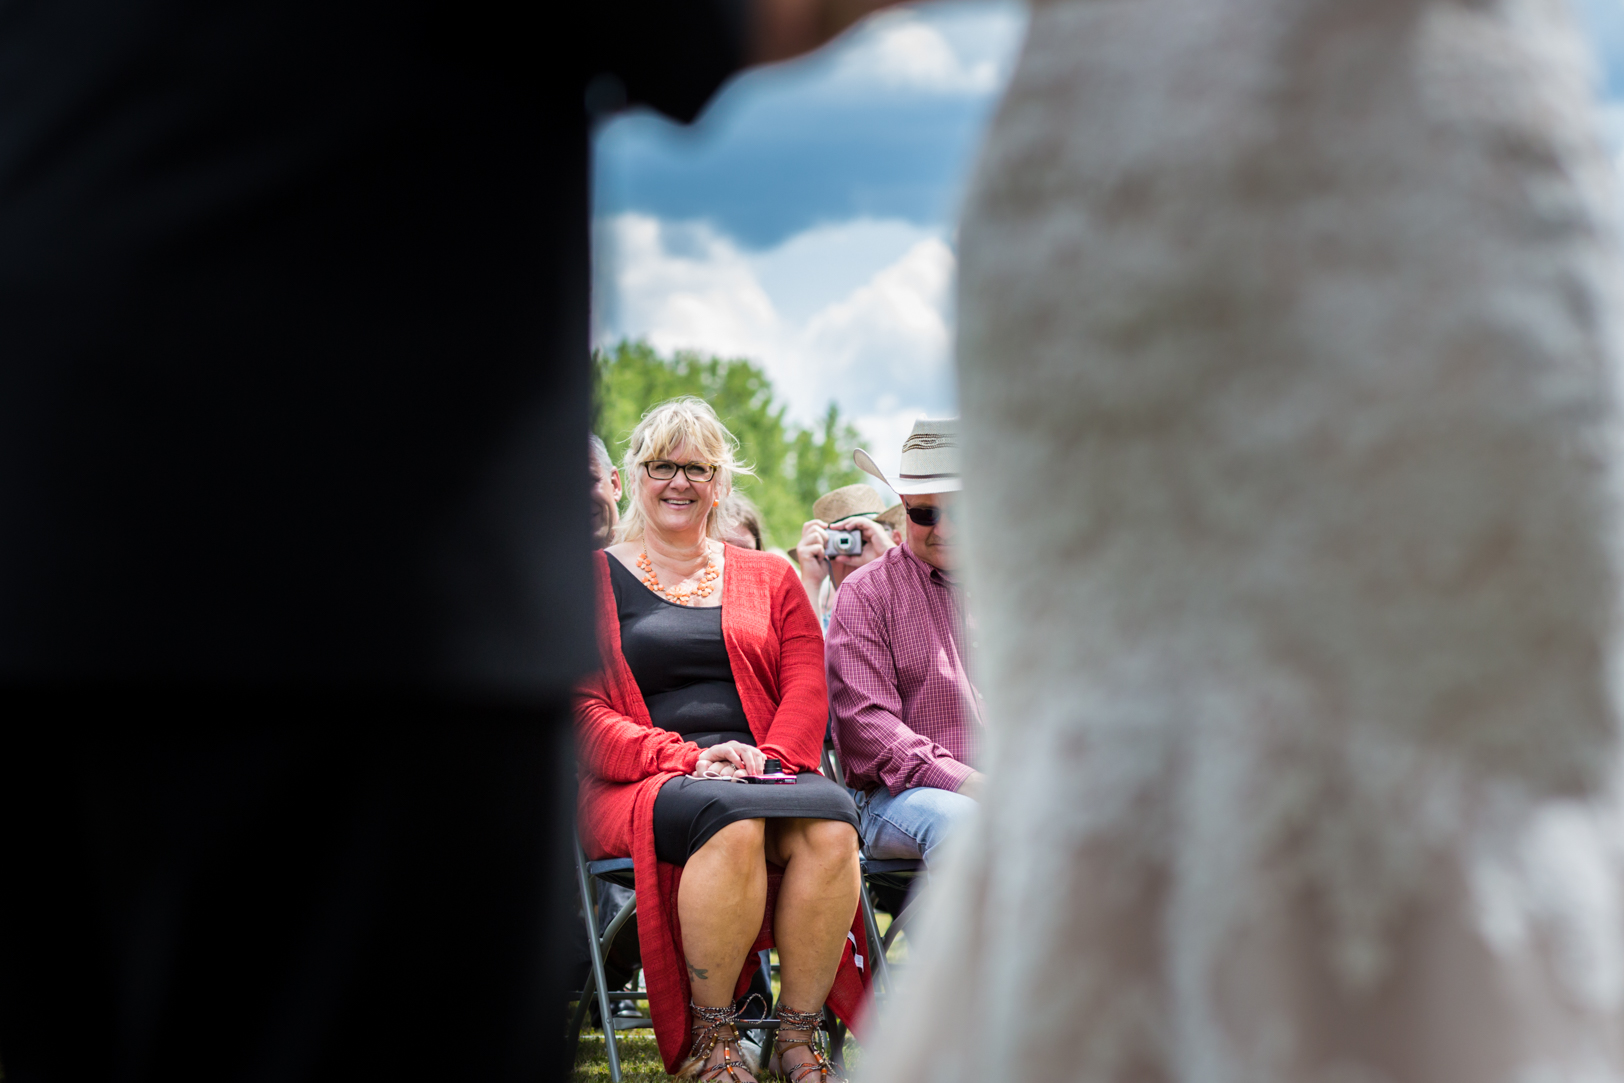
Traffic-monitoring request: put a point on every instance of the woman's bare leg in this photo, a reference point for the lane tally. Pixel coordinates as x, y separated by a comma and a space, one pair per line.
816, 901
720, 904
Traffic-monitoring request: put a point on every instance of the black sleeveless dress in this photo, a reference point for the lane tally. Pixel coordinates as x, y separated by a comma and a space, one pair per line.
678, 657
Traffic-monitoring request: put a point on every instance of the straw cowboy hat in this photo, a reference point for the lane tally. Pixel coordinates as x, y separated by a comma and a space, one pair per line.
848, 500
891, 518
930, 459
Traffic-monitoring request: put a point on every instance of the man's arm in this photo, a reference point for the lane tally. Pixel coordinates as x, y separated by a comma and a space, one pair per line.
869, 731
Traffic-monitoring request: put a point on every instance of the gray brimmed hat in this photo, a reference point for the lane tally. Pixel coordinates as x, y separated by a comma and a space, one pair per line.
846, 501
930, 459
892, 517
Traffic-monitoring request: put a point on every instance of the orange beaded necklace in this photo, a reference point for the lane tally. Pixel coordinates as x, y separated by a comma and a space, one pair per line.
681, 597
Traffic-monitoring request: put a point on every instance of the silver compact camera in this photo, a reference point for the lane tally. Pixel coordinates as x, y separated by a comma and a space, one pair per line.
844, 543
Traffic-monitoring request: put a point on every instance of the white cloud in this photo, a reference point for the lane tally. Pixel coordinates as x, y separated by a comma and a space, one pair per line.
892, 332
681, 286
811, 270
859, 313
899, 49
1610, 118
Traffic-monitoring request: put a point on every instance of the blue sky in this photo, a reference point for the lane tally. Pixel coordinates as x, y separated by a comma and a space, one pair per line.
806, 220
879, 126
1603, 23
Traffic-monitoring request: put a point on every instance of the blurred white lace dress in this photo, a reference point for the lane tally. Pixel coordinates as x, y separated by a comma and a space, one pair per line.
1288, 335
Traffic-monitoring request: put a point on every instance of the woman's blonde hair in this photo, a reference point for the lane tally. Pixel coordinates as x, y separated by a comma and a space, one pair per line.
683, 422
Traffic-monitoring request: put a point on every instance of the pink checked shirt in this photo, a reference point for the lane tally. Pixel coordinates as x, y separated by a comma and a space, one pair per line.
905, 712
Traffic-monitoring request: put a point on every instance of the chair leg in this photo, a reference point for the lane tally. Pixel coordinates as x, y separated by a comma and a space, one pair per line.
595, 947
837, 1038
899, 923
880, 974
880, 969
618, 922
582, 1006
584, 1000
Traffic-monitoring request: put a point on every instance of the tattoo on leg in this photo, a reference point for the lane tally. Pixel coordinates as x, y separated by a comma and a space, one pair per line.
699, 973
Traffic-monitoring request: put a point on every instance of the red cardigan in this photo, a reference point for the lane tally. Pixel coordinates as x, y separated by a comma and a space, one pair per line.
776, 649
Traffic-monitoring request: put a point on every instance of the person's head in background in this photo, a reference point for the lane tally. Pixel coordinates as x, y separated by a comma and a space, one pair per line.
605, 494
928, 481
892, 519
741, 522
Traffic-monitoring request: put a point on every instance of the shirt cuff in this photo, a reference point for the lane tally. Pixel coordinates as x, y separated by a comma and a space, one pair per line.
945, 774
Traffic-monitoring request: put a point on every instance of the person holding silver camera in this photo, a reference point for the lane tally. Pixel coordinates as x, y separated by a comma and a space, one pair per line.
842, 536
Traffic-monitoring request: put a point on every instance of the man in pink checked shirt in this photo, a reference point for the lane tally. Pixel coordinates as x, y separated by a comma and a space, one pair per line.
907, 720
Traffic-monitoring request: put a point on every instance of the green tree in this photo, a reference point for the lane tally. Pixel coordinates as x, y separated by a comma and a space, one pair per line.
793, 465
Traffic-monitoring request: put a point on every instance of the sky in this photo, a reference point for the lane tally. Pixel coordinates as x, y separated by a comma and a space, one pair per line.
806, 219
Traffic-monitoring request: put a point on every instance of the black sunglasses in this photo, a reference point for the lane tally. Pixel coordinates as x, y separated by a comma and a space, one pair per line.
925, 516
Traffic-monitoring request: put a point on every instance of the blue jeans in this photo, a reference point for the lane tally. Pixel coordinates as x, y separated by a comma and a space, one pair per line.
910, 825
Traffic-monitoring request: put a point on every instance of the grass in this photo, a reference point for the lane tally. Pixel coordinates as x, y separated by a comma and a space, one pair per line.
640, 1056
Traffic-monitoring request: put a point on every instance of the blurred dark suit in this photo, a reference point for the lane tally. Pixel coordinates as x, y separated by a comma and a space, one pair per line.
293, 533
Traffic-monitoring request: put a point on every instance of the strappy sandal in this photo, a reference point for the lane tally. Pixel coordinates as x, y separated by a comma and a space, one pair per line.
789, 1018
718, 1028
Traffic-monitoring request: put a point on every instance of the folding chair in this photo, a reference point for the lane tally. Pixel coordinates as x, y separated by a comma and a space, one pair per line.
615, 870
618, 870
897, 874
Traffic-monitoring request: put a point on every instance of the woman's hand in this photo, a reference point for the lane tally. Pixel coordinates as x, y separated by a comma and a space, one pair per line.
728, 759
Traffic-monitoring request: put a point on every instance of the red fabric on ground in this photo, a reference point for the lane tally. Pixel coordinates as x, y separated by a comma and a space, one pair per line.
775, 646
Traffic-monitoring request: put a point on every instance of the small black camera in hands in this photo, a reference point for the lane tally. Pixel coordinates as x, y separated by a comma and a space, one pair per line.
844, 543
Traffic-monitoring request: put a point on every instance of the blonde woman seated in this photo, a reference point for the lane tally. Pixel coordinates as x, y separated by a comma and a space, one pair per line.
713, 664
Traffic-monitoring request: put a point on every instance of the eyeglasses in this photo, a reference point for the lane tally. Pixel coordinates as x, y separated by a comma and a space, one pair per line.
925, 516
665, 470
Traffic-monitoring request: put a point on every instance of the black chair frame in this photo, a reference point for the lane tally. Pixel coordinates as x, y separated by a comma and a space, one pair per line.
618, 871
898, 874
